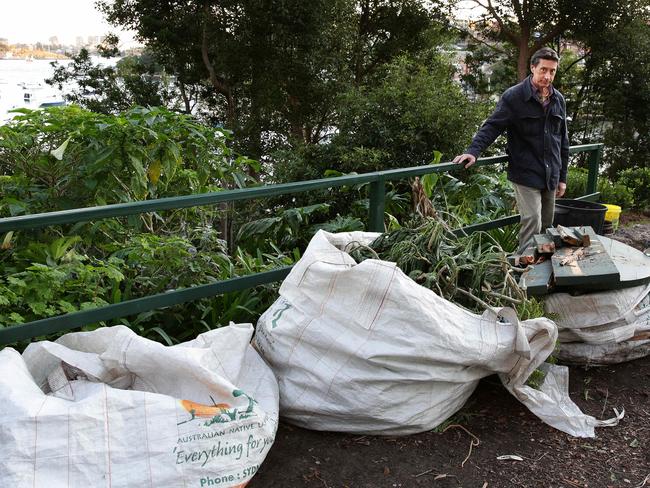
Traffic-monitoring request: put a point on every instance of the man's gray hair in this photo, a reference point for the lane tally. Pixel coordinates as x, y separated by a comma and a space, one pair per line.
544, 53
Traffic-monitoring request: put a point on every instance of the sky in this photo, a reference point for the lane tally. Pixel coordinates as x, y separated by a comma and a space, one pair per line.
31, 21
466, 9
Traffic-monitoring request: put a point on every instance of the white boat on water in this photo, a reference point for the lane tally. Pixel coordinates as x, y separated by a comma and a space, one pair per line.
28, 95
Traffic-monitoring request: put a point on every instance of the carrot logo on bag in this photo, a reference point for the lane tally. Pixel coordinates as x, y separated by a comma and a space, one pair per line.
218, 412
201, 410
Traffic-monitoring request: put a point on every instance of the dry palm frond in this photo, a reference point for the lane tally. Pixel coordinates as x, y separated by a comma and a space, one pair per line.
471, 270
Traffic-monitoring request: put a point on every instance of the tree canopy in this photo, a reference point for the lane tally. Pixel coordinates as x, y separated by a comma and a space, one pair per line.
527, 25
273, 70
284, 74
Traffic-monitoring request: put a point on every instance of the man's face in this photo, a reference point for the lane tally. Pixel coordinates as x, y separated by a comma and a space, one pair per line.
544, 72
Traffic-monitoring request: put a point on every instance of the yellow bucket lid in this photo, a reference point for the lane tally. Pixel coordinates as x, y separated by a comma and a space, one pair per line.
613, 212
609, 206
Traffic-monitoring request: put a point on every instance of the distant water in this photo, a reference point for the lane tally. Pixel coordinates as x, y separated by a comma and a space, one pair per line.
20, 76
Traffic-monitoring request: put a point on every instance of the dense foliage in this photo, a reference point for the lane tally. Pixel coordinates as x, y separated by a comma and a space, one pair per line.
613, 192
59, 275
414, 114
617, 72
273, 70
68, 157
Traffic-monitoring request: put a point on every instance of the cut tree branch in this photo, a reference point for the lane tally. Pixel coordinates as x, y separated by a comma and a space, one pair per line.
218, 82
319, 128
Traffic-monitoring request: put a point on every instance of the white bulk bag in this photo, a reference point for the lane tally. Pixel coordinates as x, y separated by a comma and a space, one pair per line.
110, 408
602, 354
606, 327
363, 348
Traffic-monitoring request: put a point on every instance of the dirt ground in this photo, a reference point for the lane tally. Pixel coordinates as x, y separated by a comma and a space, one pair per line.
618, 457
634, 231
492, 424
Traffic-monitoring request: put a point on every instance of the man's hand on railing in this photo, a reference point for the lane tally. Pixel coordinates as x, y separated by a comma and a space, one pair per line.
470, 158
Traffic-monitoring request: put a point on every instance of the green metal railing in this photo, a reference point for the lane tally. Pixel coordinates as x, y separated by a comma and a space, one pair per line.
377, 181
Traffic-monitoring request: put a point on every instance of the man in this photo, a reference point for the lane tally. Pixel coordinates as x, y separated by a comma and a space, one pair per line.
533, 114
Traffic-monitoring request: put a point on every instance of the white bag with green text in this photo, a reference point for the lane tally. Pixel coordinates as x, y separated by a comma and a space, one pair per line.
110, 408
363, 348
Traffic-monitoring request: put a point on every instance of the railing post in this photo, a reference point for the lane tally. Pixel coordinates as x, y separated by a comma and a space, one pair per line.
377, 202
594, 163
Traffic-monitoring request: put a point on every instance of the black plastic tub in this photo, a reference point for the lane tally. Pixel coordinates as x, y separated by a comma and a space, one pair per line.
571, 213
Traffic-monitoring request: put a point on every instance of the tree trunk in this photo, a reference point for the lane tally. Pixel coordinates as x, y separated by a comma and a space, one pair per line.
362, 28
186, 99
218, 82
523, 61
577, 104
296, 127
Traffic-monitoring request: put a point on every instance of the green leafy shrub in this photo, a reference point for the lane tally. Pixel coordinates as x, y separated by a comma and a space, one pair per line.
41, 290
413, 109
185, 266
615, 193
67, 280
67, 157
287, 228
638, 181
470, 198
340, 224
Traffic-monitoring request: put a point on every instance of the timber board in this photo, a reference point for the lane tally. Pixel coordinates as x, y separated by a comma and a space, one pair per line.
594, 266
633, 267
536, 280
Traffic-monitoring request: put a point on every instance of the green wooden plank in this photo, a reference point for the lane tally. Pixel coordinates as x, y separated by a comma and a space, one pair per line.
77, 319
212, 198
555, 236
536, 280
544, 244
632, 264
594, 162
594, 265
185, 201
493, 224
586, 148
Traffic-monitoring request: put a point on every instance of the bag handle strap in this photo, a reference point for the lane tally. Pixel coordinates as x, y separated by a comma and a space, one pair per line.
522, 346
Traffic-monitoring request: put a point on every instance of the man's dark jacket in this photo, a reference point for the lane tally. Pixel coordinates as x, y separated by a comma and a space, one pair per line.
538, 142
